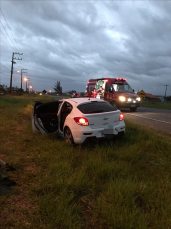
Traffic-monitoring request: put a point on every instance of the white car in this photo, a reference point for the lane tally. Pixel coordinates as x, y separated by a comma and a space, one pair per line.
77, 119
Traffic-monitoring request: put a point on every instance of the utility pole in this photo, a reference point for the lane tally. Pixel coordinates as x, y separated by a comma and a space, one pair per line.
166, 91
26, 86
13, 62
26, 79
22, 76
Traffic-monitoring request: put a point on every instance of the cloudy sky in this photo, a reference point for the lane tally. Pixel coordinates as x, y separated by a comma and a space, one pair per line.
74, 41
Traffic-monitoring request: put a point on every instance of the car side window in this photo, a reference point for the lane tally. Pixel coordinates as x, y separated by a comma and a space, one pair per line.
67, 107
109, 88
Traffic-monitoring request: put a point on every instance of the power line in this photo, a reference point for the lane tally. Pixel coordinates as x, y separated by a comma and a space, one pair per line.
9, 27
7, 39
4, 73
38, 68
5, 67
16, 79
8, 36
12, 34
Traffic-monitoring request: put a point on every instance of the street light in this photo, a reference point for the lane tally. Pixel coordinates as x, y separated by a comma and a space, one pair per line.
26, 79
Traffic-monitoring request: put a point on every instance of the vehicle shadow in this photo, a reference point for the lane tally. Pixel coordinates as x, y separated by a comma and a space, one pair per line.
92, 143
127, 110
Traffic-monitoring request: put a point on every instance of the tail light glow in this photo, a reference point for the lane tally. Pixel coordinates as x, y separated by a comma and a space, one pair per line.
121, 117
81, 121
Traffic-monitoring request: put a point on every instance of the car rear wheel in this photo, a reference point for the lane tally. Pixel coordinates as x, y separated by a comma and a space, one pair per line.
68, 136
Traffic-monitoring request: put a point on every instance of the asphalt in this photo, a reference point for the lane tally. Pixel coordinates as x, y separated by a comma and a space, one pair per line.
157, 119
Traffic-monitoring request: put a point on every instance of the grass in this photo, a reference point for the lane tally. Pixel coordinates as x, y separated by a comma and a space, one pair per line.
158, 105
120, 183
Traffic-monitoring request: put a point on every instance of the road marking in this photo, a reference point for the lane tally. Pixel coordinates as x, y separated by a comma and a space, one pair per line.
149, 118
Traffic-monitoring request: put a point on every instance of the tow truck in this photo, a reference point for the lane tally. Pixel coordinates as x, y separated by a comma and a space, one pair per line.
115, 90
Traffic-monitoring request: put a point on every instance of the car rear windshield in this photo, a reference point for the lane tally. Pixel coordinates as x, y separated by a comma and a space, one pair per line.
96, 107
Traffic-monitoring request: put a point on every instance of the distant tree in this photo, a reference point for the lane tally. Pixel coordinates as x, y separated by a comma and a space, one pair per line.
44, 91
57, 87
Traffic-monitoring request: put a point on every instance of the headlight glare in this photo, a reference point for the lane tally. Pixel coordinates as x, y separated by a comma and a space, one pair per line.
138, 99
122, 98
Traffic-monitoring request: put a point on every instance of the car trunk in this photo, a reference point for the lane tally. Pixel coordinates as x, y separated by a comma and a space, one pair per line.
100, 120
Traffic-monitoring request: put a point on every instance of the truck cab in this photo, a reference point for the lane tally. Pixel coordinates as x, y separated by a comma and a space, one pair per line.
115, 90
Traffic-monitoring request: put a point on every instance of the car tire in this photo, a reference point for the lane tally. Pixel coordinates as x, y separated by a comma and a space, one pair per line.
133, 108
68, 136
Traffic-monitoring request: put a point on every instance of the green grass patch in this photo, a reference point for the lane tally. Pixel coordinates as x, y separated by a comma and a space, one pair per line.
119, 183
158, 105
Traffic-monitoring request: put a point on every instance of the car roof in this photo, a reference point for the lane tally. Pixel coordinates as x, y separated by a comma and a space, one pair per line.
78, 101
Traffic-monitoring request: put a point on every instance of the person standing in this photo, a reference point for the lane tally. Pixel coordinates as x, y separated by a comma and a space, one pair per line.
93, 93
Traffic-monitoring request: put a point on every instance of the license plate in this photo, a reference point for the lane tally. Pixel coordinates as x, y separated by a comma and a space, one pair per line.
133, 105
108, 131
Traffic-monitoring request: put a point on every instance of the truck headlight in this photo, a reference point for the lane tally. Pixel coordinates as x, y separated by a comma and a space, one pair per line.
122, 98
138, 99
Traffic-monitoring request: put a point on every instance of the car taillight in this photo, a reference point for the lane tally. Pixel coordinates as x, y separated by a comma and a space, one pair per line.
121, 117
81, 121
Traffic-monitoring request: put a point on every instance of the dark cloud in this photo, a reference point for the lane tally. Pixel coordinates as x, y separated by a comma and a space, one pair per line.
73, 41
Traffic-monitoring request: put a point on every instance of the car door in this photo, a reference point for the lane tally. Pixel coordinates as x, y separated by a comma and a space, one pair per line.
45, 116
65, 110
108, 92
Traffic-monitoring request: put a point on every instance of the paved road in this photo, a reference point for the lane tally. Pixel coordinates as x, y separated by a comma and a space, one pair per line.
155, 118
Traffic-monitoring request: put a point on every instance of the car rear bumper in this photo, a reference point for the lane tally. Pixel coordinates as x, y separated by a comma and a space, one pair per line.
109, 131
